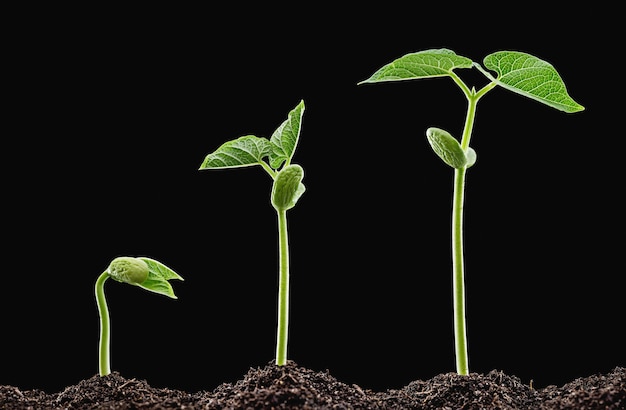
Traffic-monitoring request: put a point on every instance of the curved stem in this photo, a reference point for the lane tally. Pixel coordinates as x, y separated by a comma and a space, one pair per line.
104, 357
283, 290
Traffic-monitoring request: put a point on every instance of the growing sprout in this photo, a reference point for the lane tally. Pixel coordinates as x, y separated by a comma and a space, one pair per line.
145, 273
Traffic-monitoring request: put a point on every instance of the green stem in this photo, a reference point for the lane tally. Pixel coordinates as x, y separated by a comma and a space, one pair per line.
105, 361
458, 274
283, 290
458, 286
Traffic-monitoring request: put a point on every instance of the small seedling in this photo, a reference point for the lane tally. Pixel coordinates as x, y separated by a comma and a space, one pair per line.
518, 72
274, 156
143, 272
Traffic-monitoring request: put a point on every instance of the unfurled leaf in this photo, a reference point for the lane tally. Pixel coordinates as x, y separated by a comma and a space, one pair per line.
288, 187
285, 138
532, 77
447, 147
422, 64
242, 152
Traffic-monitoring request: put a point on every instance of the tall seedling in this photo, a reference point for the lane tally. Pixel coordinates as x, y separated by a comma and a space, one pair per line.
518, 72
274, 156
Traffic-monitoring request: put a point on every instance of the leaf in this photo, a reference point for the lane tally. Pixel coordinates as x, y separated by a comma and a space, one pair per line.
422, 64
158, 277
285, 138
241, 152
160, 269
447, 147
531, 77
288, 187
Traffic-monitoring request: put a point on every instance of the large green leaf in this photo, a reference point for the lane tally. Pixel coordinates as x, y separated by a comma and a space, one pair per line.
422, 64
285, 138
532, 77
158, 277
242, 152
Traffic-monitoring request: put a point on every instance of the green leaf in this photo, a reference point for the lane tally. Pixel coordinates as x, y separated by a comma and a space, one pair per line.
422, 64
531, 77
288, 188
447, 147
285, 138
242, 152
158, 277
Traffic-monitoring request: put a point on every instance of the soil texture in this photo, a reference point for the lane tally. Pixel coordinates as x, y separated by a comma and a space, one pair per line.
295, 387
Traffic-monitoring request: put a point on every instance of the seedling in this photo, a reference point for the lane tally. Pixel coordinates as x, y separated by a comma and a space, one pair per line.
274, 156
143, 272
515, 71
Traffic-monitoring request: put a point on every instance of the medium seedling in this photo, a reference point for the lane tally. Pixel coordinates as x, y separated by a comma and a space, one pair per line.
274, 156
515, 71
143, 272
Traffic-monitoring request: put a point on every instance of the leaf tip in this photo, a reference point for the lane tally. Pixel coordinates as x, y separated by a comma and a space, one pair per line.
579, 108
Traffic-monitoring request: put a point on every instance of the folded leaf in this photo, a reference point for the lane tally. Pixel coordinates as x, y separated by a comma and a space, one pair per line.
422, 64
529, 76
241, 152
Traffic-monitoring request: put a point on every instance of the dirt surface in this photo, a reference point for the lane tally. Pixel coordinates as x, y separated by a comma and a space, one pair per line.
295, 387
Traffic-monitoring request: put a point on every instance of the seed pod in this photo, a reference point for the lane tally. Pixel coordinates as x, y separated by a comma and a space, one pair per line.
129, 270
287, 187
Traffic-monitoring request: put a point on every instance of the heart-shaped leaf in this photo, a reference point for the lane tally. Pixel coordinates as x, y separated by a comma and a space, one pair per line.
285, 138
242, 152
422, 64
288, 187
532, 77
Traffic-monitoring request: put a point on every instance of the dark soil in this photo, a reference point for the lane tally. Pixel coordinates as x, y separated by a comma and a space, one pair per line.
295, 387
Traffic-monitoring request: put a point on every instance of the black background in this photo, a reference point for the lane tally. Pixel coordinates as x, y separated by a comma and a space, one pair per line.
115, 110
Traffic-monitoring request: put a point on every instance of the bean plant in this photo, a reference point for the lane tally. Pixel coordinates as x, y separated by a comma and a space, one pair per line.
274, 156
146, 273
515, 71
